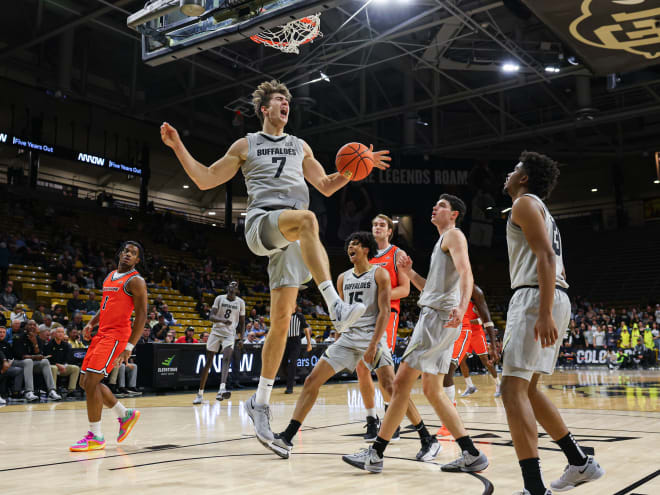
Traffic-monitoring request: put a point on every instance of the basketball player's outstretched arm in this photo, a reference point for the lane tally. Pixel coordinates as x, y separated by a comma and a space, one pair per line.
404, 265
206, 177
138, 287
330, 184
455, 242
528, 215
384, 304
402, 290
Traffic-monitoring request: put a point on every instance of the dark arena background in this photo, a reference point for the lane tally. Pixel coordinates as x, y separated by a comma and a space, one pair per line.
454, 89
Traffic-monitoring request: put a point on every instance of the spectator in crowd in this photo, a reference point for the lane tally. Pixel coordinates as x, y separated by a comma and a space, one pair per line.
86, 337
28, 353
75, 303
160, 330
598, 336
610, 338
61, 356
204, 337
59, 316
655, 331
326, 332
657, 314
8, 299
164, 311
146, 335
261, 308
331, 338
648, 338
126, 388
158, 302
304, 340
39, 314
60, 284
624, 337
320, 310
74, 338
77, 321
19, 314
611, 360
152, 319
48, 324
639, 354
91, 305
188, 337
8, 371
169, 338
15, 329
635, 335
44, 334
205, 311
253, 316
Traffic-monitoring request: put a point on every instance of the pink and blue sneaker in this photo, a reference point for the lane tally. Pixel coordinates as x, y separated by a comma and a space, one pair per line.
127, 423
88, 443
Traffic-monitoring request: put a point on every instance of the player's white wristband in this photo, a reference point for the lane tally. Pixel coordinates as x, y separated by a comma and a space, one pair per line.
479, 321
489, 324
129, 346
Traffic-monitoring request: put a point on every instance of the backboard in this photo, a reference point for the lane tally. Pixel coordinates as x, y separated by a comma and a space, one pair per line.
168, 34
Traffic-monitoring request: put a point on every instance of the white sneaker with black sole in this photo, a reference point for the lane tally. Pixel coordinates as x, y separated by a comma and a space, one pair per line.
222, 395
199, 398
2, 401
30, 397
52, 395
281, 446
260, 416
343, 315
467, 463
469, 391
430, 449
577, 475
367, 459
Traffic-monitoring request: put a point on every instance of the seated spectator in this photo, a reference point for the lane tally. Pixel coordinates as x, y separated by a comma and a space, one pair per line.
159, 330
158, 302
205, 311
74, 338
320, 310
331, 338
48, 324
655, 331
77, 321
75, 303
611, 359
253, 316
60, 284
204, 338
151, 319
169, 338
19, 314
188, 338
260, 308
304, 340
8, 299
117, 380
326, 332
167, 315
8, 371
259, 329
15, 329
61, 356
87, 280
91, 305
39, 314
59, 316
262, 324
28, 354
44, 334
146, 335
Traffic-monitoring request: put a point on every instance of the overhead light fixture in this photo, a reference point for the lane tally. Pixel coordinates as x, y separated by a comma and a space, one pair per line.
243, 214
594, 189
552, 69
506, 210
489, 208
510, 67
656, 181
186, 186
322, 77
395, 221
213, 225
192, 8
211, 213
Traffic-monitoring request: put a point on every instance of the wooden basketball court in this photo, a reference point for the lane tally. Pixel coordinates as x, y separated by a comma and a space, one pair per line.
211, 448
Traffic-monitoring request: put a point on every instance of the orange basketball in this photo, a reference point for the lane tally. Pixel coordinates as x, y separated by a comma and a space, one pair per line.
354, 161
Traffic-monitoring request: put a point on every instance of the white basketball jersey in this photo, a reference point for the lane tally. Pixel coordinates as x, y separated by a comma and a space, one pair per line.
441, 291
522, 260
273, 172
229, 310
364, 289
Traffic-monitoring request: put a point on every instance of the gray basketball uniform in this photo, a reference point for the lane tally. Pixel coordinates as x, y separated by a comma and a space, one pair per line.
432, 342
523, 355
222, 335
275, 182
346, 352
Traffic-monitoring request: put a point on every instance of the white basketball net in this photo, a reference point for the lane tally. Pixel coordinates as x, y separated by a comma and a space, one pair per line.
290, 36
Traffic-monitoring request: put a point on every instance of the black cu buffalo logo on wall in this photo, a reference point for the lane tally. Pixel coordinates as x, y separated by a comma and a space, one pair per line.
608, 35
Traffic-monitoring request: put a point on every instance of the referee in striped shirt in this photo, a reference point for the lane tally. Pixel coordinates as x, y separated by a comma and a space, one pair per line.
292, 349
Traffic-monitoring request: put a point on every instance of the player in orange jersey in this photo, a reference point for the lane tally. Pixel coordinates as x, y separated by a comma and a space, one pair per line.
123, 291
382, 228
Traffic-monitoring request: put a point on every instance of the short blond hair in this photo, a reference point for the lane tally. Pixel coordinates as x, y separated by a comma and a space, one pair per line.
261, 96
390, 224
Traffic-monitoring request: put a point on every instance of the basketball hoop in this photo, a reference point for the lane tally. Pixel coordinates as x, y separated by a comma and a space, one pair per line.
290, 36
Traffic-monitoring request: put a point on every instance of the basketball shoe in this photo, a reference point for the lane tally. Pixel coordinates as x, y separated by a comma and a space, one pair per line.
198, 399
127, 423
469, 391
367, 459
343, 315
372, 426
281, 446
577, 475
88, 443
430, 449
260, 416
467, 463
222, 395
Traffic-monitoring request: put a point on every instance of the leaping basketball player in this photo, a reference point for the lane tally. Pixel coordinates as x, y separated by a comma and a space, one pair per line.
123, 291
278, 223
443, 301
538, 308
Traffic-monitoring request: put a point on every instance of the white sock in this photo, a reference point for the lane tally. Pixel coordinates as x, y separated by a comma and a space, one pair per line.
468, 382
200, 391
222, 387
95, 428
451, 393
119, 410
371, 412
497, 380
264, 389
329, 293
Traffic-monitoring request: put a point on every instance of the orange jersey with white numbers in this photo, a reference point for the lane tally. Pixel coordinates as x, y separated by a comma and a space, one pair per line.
116, 306
388, 261
470, 314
